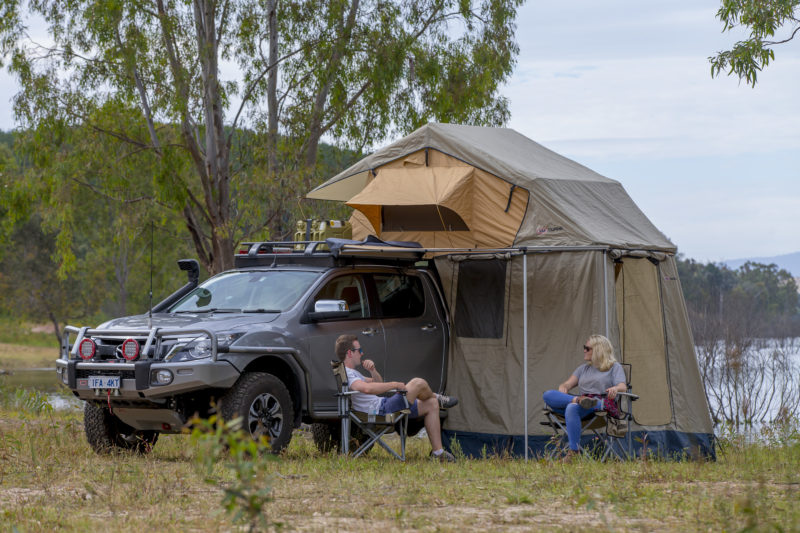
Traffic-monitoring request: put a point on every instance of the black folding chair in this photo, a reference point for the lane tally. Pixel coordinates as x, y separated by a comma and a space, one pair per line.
373, 425
612, 432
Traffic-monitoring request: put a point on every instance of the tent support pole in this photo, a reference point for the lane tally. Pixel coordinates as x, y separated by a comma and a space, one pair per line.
525, 344
605, 286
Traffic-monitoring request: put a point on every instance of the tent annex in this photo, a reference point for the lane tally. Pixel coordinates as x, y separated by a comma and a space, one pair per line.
535, 253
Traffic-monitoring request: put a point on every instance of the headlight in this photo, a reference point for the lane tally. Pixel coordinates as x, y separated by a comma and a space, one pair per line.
199, 348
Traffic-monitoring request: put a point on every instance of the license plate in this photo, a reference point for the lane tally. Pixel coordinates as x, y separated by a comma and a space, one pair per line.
103, 382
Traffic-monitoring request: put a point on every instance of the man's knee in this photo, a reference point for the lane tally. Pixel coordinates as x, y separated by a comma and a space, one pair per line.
417, 383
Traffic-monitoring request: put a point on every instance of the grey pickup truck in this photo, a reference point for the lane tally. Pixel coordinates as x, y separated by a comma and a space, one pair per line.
256, 343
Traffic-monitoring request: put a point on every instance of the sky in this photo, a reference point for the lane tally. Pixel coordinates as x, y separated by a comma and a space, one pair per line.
624, 88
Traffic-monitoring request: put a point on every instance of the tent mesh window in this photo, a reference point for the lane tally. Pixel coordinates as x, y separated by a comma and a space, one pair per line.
480, 299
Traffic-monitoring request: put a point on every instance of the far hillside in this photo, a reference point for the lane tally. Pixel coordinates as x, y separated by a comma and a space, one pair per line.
788, 262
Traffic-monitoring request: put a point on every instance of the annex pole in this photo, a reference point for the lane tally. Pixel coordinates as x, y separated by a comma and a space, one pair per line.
525, 344
605, 286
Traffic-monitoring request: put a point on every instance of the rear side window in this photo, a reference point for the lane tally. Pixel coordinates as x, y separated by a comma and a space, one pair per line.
480, 299
400, 295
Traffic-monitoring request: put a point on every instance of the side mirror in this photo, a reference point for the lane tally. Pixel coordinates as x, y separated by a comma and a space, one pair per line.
327, 309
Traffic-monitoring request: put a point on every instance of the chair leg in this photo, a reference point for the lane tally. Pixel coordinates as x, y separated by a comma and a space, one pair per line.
345, 435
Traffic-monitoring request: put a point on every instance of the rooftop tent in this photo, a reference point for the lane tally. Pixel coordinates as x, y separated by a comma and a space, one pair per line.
447, 206
535, 253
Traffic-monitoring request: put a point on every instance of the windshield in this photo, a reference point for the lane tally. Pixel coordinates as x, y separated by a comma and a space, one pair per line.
247, 292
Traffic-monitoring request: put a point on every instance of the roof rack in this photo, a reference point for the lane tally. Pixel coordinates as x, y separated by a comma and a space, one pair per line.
322, 253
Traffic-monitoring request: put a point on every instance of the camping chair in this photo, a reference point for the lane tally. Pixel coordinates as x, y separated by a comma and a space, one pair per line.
612, 432
373, 425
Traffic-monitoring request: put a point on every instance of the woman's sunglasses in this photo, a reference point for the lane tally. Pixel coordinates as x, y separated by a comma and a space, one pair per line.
587, 348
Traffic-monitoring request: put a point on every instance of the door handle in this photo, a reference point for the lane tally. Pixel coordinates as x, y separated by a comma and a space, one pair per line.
428, 327
369, 332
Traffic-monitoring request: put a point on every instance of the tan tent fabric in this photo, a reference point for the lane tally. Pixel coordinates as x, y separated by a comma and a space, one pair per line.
511, 192
689, 400
486, 374
642, 343
438, 186
491, 209
571, 204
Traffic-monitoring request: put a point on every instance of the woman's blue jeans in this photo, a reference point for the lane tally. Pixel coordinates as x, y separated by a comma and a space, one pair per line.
561, 402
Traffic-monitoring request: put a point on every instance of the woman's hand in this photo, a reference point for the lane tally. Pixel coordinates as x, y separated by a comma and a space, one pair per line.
611, 392
563, 388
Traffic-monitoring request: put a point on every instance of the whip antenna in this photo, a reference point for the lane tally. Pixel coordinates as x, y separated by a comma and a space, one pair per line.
150, 314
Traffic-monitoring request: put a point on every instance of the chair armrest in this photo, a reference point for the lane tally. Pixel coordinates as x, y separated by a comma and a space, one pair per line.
629, 395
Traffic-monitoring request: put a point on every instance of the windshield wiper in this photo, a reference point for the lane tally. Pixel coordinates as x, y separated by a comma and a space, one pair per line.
210, 310
261, 310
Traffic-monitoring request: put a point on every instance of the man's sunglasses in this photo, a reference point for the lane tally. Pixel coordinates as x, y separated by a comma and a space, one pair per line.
359, 350
587, 348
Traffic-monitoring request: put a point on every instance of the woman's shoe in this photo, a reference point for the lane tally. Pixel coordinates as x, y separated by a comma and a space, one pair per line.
570, 456
587, 403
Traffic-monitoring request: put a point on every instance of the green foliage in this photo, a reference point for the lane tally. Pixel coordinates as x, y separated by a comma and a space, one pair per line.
130, 103
762, 18
755, 300
247, 497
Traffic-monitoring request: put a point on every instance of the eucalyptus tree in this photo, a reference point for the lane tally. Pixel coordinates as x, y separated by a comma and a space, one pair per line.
763, 19
226, 102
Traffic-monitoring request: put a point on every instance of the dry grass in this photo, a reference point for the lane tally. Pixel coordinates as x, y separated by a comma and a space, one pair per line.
19, 356
50, 479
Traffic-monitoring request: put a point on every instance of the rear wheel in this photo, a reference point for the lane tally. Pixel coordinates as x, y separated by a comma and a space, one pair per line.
327, 436
105, 432
264, 406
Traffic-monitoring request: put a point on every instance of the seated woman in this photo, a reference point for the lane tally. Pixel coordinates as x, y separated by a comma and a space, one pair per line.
598, 380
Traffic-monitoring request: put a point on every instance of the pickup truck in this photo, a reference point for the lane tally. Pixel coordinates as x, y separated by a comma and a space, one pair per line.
255, 344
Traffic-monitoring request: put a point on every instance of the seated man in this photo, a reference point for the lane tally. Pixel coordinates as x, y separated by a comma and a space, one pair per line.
421, 399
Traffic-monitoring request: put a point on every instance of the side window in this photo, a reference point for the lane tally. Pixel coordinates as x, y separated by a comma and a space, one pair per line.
480, 299
400, 295
351, 290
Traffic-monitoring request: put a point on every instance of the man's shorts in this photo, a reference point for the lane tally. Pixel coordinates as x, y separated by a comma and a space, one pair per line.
396, 402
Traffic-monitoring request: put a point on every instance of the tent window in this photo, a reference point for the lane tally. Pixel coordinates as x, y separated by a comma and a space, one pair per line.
421, 218
400, 296
480, 299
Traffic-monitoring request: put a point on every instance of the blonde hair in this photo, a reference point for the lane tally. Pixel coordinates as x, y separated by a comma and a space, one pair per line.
602, 353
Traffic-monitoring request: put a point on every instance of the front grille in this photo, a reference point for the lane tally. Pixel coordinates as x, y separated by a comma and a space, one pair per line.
82, 373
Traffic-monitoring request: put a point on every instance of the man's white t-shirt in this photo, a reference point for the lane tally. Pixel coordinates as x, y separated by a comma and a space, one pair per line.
365, 403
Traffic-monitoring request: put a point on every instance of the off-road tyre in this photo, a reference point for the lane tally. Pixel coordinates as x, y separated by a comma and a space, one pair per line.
327, 436
106, 433
264, 405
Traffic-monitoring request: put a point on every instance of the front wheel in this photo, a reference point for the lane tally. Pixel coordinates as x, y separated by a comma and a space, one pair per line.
105, 432
264, 406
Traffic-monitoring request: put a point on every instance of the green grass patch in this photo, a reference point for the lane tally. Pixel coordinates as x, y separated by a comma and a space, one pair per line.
15, 331
50, 479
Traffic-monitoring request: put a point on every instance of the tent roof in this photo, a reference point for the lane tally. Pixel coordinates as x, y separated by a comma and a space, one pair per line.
570, 204
499, 151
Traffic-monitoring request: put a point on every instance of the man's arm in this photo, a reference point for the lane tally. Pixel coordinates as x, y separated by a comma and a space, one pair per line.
376, 388
369, 366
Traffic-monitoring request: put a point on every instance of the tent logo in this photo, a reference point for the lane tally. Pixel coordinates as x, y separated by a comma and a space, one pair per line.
541, 230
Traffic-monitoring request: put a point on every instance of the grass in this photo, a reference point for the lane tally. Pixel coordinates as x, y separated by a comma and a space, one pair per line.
49, 478
13, 331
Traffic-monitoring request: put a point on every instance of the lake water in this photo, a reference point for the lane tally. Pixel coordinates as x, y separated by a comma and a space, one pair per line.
42, 380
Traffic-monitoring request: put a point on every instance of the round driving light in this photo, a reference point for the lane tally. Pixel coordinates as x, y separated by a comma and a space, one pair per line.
87, 348
163, 377
130, 349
